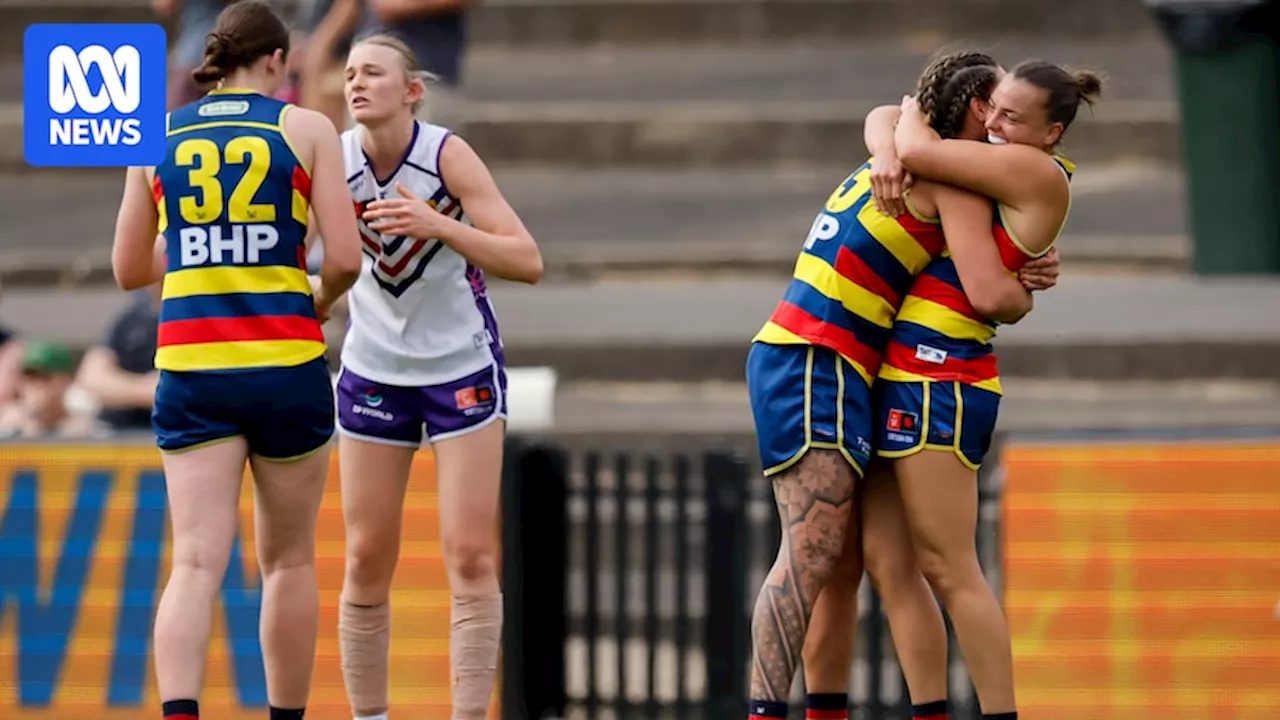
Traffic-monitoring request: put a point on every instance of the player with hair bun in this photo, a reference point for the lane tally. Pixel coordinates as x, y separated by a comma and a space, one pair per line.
233, 199
810, 371
938, 391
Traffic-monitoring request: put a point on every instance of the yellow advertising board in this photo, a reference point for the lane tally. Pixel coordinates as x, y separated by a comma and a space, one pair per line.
1142, 580
83, 539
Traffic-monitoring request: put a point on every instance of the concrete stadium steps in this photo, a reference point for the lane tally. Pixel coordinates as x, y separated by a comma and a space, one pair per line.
1089, 328
1031, 406
602, 224
744, 105
647, 22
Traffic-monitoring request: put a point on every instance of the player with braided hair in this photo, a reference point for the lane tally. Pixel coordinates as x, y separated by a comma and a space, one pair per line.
954, 88
938, 390
809, 373
888, 178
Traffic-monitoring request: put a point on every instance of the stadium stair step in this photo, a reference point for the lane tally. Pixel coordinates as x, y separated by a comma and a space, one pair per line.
1088, 328
743, 106
1032, 407
600, 224
511, 23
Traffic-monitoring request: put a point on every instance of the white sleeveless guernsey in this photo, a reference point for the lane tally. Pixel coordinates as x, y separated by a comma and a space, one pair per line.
420, 313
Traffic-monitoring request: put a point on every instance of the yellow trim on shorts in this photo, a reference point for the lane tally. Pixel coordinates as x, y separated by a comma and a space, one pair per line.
809, 442
954, 447
201, 445
298, 458
840, 416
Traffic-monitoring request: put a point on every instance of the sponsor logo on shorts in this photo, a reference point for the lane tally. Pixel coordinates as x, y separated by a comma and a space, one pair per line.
473, 400
862, 445
370, 408
903, 421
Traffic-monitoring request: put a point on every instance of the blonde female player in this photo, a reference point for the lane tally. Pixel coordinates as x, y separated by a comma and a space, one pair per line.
938, 392
422, 362
239, 322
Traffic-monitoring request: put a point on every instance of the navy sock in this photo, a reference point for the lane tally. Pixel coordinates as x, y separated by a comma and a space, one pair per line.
826, 706
1000, 716
767, 710
280, 714
181, 710
936, 710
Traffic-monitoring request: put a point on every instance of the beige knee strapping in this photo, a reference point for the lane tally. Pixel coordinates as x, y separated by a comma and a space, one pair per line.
473, 653
365, 636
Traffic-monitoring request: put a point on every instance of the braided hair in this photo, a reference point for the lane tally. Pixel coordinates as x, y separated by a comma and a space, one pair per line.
947, 85
972, 82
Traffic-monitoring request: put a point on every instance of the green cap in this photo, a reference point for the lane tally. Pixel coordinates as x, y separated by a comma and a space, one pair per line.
47, 357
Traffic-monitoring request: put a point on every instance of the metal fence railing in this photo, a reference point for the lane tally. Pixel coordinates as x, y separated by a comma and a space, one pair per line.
630, 576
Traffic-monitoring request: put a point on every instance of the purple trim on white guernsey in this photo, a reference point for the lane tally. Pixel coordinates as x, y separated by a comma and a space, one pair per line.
439, 170
480, 291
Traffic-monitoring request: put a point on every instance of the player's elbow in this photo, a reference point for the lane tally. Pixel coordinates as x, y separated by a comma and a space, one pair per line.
531, 267
344, 261
533, 274
132, 276
348, 267
1004, 305
910, 152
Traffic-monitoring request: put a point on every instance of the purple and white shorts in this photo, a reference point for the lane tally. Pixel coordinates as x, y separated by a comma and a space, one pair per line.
410, 416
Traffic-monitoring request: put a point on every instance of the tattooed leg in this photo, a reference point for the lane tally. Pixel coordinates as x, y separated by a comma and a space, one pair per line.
815, 500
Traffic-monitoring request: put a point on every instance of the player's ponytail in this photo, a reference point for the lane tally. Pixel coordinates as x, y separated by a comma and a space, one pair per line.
246, 30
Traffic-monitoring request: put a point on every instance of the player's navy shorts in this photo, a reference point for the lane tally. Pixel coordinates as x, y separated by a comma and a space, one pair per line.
806, 397
948, 416
283, 413
410, 416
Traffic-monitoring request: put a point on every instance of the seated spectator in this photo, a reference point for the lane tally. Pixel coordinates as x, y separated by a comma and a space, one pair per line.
41, 410
120, 373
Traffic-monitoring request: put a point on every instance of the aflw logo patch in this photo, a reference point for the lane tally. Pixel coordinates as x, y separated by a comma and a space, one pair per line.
399, 261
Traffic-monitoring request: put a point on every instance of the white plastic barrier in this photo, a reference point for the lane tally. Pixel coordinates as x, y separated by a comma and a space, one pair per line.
531, 398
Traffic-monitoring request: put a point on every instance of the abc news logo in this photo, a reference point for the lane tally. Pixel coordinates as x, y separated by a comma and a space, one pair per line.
93, 94
69, 90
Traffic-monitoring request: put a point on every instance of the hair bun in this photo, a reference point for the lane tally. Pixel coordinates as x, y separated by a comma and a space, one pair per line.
1088, 83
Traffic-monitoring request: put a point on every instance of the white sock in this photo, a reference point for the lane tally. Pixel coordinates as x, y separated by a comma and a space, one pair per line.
383, 716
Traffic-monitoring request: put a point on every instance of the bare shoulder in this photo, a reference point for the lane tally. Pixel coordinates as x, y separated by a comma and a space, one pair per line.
460, 163
304, 123
1032, 157
457, 149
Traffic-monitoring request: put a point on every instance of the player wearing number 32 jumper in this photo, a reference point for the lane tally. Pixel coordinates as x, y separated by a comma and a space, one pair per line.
239, 322
422, 363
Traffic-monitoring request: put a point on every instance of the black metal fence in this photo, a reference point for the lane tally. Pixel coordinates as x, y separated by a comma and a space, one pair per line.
630, 576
